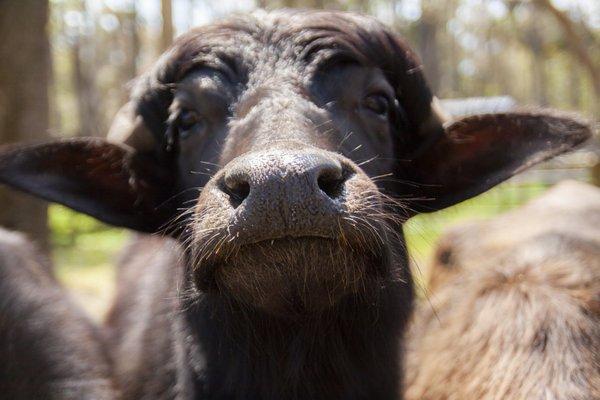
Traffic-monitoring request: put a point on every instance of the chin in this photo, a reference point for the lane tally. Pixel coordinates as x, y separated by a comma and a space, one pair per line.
294, 276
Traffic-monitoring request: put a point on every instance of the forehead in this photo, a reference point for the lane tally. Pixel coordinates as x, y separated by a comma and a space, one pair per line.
285, 50
291, 46
339, 81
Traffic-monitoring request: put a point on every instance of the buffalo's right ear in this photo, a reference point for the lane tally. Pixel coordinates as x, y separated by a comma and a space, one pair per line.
111, 182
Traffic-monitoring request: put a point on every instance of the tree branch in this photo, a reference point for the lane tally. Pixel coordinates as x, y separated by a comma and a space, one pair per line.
576, 45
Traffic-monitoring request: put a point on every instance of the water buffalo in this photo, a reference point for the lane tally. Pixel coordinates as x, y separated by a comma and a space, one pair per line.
282, 151
515, 306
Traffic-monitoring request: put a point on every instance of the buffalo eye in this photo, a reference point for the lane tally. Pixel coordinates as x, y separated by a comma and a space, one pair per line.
378, 104
188, 122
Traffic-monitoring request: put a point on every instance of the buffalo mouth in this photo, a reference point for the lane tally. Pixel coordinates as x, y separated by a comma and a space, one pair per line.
293, 275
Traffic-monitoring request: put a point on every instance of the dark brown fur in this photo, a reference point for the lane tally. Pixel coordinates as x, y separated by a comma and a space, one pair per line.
515, 306
48, 348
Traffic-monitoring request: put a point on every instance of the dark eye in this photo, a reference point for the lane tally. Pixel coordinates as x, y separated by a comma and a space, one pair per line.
187, 122
377, 103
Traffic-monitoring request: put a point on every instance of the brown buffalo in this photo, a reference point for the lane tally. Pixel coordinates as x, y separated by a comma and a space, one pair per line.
515, 306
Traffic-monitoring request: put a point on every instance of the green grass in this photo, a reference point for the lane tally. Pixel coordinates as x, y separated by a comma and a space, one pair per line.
84, 253
84, 250
423, 231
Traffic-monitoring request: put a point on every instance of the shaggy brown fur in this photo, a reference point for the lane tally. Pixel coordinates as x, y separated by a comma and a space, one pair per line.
48, 348
514, 313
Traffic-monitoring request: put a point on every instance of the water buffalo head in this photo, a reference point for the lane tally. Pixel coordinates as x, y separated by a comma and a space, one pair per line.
285, 150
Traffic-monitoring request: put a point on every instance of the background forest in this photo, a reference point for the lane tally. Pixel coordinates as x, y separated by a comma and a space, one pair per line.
65, 67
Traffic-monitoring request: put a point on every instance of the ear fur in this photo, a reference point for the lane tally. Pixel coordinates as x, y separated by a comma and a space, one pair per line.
478, 152
111, 182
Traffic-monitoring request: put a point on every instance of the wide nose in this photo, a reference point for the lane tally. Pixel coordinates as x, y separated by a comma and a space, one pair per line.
286, 177
293, 192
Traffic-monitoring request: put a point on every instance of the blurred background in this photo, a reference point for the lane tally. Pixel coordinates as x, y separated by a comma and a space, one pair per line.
65, 67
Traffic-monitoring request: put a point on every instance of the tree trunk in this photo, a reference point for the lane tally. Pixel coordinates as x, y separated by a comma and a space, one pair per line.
535, 41
89, 104
576, 43
429, 46
574, 88
454, 75
24, 110
166, 37
131, 46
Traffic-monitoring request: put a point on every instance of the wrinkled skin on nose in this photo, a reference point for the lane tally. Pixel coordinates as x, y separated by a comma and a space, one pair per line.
286, 192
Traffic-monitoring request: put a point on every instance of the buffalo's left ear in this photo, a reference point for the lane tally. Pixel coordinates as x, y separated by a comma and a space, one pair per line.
111, 182
475, 153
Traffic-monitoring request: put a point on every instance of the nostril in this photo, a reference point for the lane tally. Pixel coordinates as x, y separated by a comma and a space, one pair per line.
331, 181
237, 189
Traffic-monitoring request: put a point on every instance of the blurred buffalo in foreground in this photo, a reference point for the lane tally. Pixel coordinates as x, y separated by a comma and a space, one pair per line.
514, 308
48, 347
